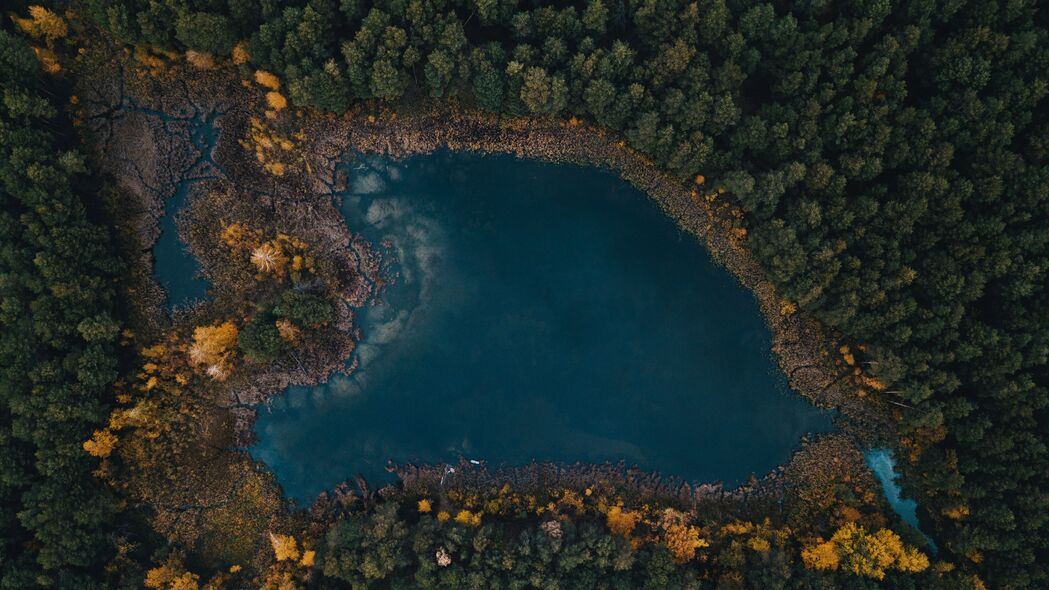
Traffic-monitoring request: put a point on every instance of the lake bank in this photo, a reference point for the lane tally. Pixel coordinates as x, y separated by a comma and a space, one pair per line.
234, 405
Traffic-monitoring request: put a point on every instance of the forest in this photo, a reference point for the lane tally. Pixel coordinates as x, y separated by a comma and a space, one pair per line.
891, 159
57, 345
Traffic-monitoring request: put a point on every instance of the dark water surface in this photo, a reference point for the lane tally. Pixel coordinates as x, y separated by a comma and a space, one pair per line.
175, 268
540, 312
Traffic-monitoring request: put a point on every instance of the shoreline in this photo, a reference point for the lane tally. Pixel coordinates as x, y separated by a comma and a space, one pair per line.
798, 343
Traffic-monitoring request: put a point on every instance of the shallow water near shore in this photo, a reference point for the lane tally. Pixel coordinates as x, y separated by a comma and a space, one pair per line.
537, 312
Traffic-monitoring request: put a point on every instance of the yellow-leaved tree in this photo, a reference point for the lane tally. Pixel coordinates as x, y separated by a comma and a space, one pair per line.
622, 522
284, 547
680, 537
822, 556
101, 444
213, 348
276, 101
42, 23
267, 80
240, 53
240, 237
200, 60
854, 550
468, 518
172, 576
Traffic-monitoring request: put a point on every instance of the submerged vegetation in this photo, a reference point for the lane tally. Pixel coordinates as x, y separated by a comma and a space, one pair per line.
886, 164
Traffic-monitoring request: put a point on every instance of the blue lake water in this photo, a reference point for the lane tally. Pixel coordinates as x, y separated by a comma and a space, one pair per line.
537, 312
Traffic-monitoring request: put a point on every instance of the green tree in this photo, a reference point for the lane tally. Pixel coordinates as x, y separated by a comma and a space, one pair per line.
57, 349
364, 549
543, 94
305, 309
206, 32
260, 340
387, 82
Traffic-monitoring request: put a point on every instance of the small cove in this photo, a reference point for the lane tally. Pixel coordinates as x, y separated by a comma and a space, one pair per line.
537, 312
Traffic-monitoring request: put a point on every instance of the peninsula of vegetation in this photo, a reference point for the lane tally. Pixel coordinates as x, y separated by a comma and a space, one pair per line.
875, 173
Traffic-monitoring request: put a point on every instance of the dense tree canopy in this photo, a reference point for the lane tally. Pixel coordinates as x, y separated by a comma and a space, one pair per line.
891, 158
57, 335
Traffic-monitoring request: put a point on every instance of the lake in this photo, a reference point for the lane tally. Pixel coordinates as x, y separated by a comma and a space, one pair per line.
537, 312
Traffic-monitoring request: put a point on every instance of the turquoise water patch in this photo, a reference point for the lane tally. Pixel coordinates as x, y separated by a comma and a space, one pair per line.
883, 464
537, 312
